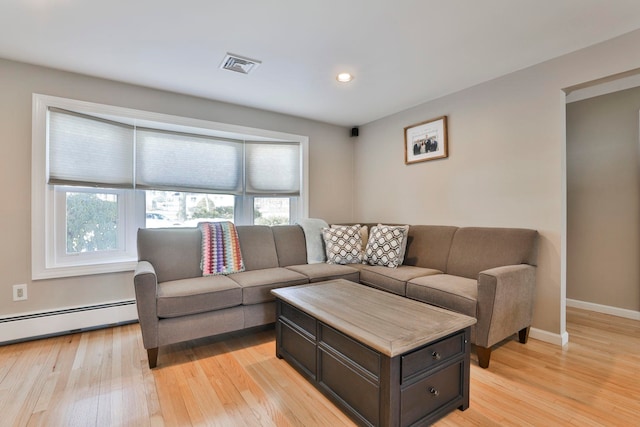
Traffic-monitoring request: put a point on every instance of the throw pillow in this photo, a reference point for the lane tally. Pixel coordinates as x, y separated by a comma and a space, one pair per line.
404, 241
386, 245
364, 235
343, 244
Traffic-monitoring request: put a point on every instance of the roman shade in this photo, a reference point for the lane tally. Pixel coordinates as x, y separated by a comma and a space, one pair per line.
85, 150
184, 162
89, 151
272, 168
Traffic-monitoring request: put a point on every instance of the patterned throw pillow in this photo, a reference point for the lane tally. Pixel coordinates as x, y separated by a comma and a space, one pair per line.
364, 235
386, 245
343, 245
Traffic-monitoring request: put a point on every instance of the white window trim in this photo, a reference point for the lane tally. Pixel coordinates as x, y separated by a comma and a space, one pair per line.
42, 195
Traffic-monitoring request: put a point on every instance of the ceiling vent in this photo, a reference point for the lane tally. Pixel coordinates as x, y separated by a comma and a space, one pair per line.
239, 64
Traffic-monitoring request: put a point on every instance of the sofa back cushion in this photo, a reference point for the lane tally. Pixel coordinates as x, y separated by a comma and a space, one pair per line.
175, 253
428, 246
291, 245
475, 249
258, 247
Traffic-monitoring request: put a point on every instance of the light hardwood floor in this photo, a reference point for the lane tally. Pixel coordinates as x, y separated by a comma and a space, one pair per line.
101, 378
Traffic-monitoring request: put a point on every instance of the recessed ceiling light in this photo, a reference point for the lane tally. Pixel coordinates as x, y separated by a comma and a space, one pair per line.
344, 77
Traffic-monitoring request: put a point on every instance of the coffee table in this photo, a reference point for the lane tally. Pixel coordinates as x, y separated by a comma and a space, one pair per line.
385, 360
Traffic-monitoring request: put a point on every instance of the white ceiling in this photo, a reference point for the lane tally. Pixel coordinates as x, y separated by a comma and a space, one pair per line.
402, 52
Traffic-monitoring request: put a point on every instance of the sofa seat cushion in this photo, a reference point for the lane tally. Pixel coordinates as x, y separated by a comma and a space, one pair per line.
392, 279
257, 284
444, 290
197, 295
322, 272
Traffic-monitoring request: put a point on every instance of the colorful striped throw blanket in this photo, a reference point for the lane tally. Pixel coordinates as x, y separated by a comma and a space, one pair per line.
220, 249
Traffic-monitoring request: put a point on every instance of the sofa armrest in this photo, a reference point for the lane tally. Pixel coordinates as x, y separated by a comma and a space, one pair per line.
505, 302
145, 283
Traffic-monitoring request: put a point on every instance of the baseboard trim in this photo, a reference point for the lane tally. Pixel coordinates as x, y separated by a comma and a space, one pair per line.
76, 319
550, 337
43, 324
605, 309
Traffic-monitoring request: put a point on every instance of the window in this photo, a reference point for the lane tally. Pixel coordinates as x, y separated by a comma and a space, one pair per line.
180, 209
102, 172
92, 222
272, 210
91, 225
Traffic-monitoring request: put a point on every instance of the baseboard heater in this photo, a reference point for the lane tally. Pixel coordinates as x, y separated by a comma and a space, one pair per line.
65, 321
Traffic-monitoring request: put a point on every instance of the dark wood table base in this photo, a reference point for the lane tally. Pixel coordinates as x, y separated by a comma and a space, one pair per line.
416, 387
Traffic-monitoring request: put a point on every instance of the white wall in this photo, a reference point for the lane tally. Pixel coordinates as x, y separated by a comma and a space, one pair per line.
506, 165
330, 167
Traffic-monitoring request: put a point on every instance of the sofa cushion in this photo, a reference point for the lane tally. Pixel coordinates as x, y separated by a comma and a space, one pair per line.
257, 246
428, 246
391, 279
386, 245
321, 272
291, 245
256, 285
175, 253
475, 249
451, 292
196, 295
343, 244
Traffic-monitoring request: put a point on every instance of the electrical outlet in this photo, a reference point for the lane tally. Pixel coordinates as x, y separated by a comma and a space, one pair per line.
20, 292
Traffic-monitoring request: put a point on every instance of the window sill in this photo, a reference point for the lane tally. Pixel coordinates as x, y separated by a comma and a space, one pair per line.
83, 270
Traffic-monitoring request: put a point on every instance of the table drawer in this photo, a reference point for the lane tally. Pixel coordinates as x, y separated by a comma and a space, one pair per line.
427, 395
432, 355
298, 318
359, 393
351, 349
298, 349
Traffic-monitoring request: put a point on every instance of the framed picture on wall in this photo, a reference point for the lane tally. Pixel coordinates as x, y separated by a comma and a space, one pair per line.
426, 141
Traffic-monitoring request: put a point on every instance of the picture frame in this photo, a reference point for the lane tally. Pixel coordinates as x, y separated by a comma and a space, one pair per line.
426, 141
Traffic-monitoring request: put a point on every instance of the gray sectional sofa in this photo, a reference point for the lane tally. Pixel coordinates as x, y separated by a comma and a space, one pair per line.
487, 273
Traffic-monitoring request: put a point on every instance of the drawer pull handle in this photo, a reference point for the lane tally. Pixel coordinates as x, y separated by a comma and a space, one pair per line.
434, 392
436, 355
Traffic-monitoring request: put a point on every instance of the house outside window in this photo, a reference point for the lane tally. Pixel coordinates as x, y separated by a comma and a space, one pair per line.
102, 172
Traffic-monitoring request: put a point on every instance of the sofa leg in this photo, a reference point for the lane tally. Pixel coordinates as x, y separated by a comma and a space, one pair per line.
152, 354
523, 335
484, 356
